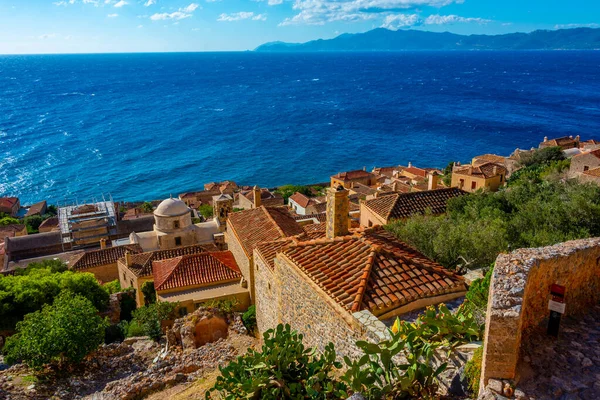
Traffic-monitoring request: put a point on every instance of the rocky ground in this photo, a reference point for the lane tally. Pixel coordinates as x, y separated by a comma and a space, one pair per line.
133, 369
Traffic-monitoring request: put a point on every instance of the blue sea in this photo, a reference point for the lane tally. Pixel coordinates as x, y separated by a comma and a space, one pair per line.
142, 126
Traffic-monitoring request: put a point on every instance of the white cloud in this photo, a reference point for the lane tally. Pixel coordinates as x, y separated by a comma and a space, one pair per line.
48, 36
112, 15
274, 2
140, 26
121, 4
570, 26
318, 12
238, 16
149, 3
182, 13
452, 19
60, 3
398, 21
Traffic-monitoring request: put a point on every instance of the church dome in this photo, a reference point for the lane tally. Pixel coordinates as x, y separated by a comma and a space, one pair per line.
171, 208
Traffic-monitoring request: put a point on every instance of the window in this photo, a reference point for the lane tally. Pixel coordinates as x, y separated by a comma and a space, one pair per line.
461, 184
269, 285
175, 224
131, 283
586, 168
473, 185
177, 241
182, 312
370, 224
501, 177
124, 277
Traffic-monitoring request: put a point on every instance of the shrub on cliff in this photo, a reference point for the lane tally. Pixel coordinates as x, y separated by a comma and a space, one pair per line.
283, 369
64, 332
149, 292
149, 318
249, 318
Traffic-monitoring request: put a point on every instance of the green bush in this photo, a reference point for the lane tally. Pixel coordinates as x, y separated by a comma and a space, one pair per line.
128, 304
64, 333
53, 265
133, 329
149, 292
249, 318
477, 296
147, 207
284, 369
206, 210
114, 333
150, 317
473, 371
33, 223
225, 306
542, 156
112, 287
9, 221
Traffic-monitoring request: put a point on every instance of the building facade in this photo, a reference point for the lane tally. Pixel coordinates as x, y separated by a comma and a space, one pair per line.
488, 176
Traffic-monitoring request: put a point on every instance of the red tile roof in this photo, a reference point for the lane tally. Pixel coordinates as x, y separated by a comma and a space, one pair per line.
8, 202
37, 208
10, 230
371, 270
141, 264
490, 158
351, 175
595, 153
415, 171
485, 170
321, 217
97, 258
300, 199
404, 205
265, 194
50, 222
262, 224
193, 270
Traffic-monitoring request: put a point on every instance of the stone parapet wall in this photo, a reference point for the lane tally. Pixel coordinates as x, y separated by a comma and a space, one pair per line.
245, 264
267, 297
519, 295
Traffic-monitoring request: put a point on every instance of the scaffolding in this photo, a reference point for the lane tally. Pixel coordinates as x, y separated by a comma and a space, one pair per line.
85, 224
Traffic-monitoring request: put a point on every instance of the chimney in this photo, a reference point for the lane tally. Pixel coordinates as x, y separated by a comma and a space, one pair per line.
433, 181
102, 243
128, 261
409, 164
337, 212
257, 196
577, 138
364, 168
545, 139
570, 136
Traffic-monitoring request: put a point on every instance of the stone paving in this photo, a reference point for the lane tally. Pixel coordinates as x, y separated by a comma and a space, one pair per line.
566, 368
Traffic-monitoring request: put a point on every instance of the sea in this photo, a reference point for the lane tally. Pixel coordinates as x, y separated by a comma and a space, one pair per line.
145, 126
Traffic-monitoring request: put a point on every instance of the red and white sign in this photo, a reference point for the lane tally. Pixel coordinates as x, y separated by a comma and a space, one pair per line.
557, 306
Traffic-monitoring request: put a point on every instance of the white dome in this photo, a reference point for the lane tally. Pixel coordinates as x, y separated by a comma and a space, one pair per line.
171, 208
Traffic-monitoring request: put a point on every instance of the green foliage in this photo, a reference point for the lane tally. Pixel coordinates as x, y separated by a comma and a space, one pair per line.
51, 211
287, 190
196, 220
225, 305
150, 317
33, 223
114, 333
529, 213
447, 177
9, 221
206, 210
284, 369
132, 329
377, 375
35, 287
249, 318
64, 332
477, 296
146, 207
473, 371
441, 328
149, 292
235, 209
53, 265
128, 304
112, 287
542, 156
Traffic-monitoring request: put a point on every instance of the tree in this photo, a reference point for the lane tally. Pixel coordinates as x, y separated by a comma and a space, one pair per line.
147, 207
542, 156
64, 332
206, 210
112, 287
149, 292
51, 211
33, 223
288, 190
9, 221
53, 265
150, 317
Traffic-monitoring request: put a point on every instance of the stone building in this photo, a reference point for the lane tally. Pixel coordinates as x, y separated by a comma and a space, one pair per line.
509, 163
37, 209
248, 228
256, 197
565, 142
487, 176
10, 206
136, 269
225, 187
584, 162
222, 207
381, 210
102, 263
347, 179
194, 279
343, 286
304, 205
9, 231
173, 228
32, 246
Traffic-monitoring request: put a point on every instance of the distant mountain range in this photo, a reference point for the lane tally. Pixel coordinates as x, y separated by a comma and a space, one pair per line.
381, 39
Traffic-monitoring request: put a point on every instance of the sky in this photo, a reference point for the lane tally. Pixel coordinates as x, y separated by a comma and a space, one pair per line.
108, 26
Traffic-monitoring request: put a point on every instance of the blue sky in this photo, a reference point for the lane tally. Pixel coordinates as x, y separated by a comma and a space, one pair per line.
92, 26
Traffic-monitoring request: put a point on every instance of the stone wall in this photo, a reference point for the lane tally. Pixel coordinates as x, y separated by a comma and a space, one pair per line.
519, 295
267, 296
581, 163
245, 264
104, 273
311, 312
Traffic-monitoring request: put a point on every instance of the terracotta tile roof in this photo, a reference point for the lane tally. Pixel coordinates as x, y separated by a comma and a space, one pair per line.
268, 250
8, 202
363, 189
404, 205
50, 222
265, 194
36, 209
141, 264
10, 230
593, 172
300, 199
96, 258
490, 158
415, 171
595, 153
385, 171
371, 270
485, 170
351, 175
321, 217
315, 227
262, 224
194, 270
